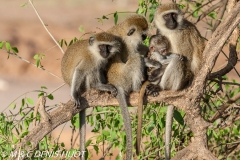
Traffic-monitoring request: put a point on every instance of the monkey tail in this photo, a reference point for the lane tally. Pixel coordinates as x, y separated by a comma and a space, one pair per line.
139, 113
82, 131
168, 132
121, 97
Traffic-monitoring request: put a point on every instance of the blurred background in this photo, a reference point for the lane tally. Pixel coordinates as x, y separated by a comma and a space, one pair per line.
21, 27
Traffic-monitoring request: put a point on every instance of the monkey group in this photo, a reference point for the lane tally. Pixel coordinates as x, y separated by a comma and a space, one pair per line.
113, 61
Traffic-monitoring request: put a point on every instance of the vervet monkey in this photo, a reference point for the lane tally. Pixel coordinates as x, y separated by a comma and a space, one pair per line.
126, 70
81, 67
157, 62
184, 39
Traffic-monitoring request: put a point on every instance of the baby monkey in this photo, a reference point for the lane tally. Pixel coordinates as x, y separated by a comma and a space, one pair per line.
157, 61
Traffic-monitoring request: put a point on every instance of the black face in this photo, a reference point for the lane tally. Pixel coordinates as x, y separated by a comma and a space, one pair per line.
105, 50
171, 20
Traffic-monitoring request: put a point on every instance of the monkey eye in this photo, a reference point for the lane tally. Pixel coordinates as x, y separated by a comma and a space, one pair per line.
131, 31
174, 15
167, 15
101, 46
109, 48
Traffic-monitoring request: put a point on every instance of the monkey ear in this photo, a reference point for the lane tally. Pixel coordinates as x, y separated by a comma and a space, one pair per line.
131, 31
91, 40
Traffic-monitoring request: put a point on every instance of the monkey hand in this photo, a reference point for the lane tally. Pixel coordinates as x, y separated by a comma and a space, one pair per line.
153, 90
77, 99
182, 58
113, 91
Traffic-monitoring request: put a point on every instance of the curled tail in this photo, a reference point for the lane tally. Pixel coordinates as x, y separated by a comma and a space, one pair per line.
82, 131
139, 112
168, 132
121, 97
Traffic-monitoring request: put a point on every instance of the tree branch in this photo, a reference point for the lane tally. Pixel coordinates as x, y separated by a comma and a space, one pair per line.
220, 14
209, 10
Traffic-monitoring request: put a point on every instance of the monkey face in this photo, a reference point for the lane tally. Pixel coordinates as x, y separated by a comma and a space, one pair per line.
171, 20
159, 44
105, 50
168, 17
104, 45
135, 36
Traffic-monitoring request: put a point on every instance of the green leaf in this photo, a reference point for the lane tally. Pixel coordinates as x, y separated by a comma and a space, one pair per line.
43, 87
213, 15
23, 102
95, 147
71, 42
61, 42
13, 105
30, 101
105, 133
23, 5
150, 128
88, 142
81, 29
75, 121
104, 17
115, 18
37, 62
198, 5
118, 157
8, 46
14, 138
181, 6
15, 50
24, 134
40, 94
50, 96
1, 44
36, 56
163, 109
195, 14
178, 117
62, 144
151, 15
215, 134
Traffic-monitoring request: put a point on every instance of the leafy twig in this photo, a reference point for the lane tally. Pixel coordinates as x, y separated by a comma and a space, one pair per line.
14, 54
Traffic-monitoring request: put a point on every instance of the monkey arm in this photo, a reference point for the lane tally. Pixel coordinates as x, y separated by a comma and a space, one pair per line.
152, 63
107, 88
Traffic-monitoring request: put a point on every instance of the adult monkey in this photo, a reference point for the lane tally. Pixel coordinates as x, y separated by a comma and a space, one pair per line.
185, 40
126, 69
82, 66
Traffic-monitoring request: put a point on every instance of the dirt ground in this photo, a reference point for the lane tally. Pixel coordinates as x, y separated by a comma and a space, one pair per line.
21, 27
